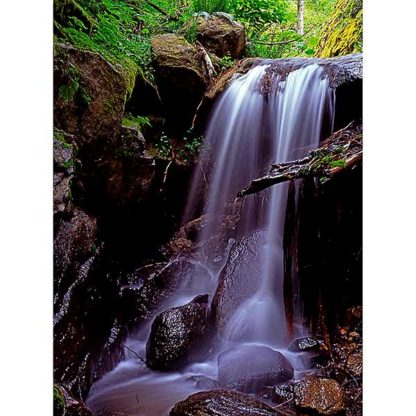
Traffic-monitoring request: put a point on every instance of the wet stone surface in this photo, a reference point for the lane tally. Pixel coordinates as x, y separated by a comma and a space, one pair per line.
221, 403
322, 396
251, 367
177, 334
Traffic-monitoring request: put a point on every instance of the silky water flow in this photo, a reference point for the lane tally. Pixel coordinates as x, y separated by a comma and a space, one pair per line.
249, 129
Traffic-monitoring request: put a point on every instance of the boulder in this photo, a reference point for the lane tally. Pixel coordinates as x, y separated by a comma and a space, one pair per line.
239, 279
322, 396
89, 94
249, 368
221, 35
177, 334
311, 351
179, 79
221, 403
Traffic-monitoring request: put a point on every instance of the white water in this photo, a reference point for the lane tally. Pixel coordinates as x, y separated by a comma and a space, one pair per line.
247, 132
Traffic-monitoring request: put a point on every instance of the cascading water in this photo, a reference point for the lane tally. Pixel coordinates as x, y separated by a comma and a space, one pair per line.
249, 129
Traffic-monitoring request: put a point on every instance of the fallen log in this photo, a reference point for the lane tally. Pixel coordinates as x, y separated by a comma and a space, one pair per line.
340, 152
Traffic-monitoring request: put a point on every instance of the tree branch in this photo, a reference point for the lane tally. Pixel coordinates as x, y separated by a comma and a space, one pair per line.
342, 151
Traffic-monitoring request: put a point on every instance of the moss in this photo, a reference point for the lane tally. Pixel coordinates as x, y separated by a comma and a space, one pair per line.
343, 33
58, 401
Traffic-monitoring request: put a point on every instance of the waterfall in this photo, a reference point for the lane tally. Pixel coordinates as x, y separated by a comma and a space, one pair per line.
251, 127
248, 131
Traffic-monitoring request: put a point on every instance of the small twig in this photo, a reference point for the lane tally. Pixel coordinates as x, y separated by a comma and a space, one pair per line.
134, 352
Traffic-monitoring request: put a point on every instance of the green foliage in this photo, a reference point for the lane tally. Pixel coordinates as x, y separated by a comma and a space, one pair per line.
58, 401
258, 13
190, 149
136, 121
226, 61
163, 148
119, 30
281, 40
211, 6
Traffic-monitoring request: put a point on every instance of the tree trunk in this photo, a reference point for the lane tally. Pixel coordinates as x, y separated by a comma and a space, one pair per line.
301, 8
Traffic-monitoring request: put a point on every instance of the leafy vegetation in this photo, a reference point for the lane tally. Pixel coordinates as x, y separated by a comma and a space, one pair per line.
121, 30
211, 6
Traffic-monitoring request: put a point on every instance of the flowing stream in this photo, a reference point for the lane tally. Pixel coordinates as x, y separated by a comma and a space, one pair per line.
249, 129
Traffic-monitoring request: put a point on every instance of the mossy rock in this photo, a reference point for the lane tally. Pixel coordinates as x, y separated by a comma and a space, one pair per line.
179, 79
344, 32
174, 51
221, 35
89, 94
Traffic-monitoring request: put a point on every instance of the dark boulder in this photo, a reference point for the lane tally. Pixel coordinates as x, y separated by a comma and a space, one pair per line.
322, 396
179, 79
222, 403
178, 334
251, 367
239, 279
221, 35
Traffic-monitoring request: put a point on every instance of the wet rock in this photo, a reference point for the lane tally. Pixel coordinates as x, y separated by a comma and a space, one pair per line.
323, 396
89, 94
66, 404
239, 279
177, 334
251, 367
204, 383
74, 243
222, 35
161, 285
179, 79
354, 363
311, 351
221, 403
306, 344
282, 393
